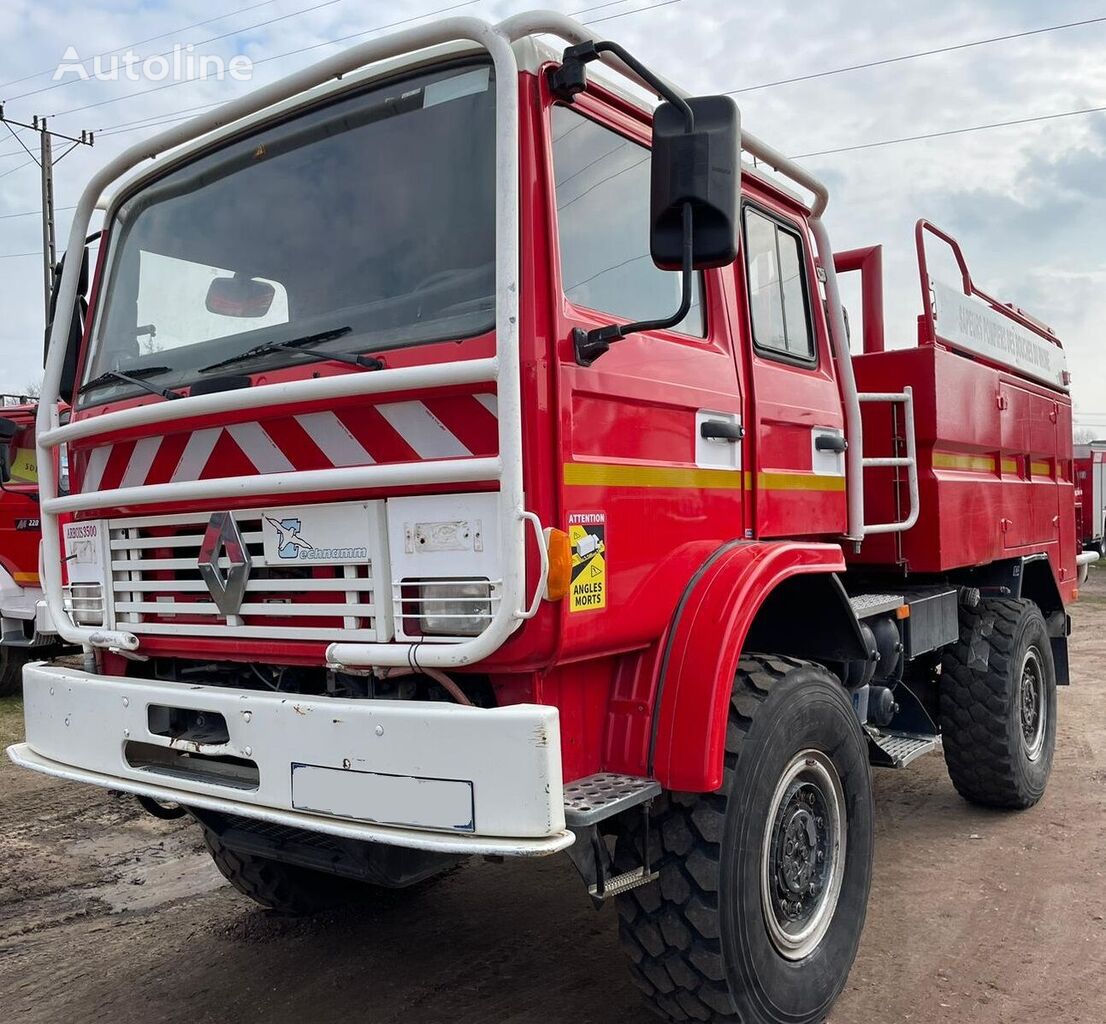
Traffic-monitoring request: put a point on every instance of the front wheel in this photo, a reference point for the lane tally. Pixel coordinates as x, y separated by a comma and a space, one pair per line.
763, 884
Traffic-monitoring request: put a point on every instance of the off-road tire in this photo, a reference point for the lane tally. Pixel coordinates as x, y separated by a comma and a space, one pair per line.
286, 888
698, 938
981, 710
12, 660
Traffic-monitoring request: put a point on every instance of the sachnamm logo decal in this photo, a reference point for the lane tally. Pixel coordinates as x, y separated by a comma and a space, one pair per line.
291, 545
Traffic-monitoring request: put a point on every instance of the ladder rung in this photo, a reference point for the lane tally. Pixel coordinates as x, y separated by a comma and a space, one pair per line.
897, 461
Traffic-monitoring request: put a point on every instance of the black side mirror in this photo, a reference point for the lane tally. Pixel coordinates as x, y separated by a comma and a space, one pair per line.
700, 166
76, 324
696, 172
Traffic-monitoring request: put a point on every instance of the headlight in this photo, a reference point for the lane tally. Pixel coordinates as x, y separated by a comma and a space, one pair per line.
454, 609
85, 602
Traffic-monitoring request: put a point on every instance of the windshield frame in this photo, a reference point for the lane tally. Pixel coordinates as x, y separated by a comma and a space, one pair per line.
358, 341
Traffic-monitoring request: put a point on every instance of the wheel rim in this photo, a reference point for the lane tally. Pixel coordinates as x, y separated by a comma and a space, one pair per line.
803, 855
1032, 706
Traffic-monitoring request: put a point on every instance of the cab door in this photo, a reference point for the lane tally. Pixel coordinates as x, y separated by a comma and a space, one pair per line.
652, 433
798, 420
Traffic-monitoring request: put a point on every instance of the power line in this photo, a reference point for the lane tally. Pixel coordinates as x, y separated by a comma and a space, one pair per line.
33, 213
19, 255
140, 42
950, 131
920, 53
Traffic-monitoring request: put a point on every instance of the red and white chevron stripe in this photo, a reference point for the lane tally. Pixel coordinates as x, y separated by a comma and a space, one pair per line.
455, 426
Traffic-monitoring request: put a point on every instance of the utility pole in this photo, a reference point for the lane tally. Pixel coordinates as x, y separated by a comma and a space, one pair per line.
46, 164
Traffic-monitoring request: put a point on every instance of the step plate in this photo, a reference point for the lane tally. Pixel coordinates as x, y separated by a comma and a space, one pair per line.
624, 883
898, 749
867, 605
604, 795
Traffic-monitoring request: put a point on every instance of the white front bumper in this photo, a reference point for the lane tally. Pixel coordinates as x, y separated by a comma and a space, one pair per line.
426, 775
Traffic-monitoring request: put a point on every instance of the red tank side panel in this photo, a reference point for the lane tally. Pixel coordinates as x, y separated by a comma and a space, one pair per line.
994, 464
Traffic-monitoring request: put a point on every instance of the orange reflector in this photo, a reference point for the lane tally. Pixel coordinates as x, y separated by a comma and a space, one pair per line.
560, 564
902, 612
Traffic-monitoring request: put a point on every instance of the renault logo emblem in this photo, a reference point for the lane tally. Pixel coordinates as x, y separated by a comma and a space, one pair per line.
223, 540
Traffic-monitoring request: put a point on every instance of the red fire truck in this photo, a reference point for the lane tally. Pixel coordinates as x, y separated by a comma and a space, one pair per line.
1090, 496
21, 608
469, 459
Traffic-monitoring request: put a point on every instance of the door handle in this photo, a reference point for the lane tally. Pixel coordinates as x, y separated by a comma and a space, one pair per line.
830, 443
721, 430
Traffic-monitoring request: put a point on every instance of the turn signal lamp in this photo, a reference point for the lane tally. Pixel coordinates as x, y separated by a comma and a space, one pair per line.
560, 564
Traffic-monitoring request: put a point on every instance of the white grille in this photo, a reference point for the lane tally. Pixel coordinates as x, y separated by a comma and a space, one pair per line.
157, 588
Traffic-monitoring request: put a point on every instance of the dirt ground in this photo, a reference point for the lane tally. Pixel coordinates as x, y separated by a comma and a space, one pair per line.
107, 914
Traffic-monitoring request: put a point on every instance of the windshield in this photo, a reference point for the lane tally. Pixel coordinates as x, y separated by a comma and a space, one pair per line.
375, 213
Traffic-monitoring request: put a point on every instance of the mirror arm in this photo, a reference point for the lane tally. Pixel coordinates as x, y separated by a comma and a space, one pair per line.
590, 345
571, 77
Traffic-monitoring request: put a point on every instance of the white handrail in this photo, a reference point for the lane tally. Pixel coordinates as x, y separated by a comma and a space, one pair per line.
905, 398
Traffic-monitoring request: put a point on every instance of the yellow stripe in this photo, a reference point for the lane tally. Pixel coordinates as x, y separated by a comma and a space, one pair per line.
25, 577
598, 474
979, 463
1040, 469
1009, 465
799, 482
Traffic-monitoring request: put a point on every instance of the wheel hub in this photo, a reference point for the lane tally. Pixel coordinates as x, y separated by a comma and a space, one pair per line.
1032, 704
803, 856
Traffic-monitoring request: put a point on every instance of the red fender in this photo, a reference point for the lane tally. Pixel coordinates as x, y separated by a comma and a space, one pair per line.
703, 647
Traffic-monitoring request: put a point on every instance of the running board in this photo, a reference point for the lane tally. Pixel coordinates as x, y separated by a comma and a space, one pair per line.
598, 797
592, 800
897, 749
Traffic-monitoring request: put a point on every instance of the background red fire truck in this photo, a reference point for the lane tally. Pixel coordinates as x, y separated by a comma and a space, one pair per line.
1090, 495
20, 614
469, 458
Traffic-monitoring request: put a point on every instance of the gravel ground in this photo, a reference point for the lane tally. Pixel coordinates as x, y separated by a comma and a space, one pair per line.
107, 914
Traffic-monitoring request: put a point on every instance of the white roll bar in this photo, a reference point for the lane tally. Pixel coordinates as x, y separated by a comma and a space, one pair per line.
504, 369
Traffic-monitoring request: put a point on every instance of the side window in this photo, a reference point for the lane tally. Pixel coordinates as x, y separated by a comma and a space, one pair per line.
602, 188
778, 299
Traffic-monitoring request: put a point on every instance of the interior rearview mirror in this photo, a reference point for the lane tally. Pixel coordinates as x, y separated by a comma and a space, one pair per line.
700, 167
239, 296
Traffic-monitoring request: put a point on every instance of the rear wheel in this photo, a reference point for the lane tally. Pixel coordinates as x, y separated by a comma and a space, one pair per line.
763, 884
998, 704
12, 660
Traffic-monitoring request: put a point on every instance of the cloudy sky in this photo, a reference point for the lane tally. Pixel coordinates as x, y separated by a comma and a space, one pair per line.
1027, 201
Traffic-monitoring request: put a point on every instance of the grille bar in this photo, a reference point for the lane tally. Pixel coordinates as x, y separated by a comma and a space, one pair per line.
157, 588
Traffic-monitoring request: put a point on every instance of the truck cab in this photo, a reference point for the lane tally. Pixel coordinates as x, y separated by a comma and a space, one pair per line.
469, 458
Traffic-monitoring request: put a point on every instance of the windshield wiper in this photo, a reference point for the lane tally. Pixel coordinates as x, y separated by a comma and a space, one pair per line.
308, 343
135, 379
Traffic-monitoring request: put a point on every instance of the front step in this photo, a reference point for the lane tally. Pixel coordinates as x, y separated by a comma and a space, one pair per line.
897, 749
597, 797
623, 883
594, 799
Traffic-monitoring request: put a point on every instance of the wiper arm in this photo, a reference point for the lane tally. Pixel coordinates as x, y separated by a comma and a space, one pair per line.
119, 377
305, 343
353, 358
